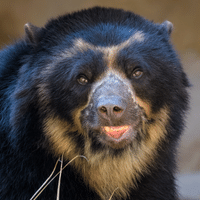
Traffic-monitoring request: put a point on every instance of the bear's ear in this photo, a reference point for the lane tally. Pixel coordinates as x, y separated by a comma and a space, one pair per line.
32, 33
168, 26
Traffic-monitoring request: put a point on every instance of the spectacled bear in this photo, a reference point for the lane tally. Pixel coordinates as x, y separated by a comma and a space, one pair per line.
102, 89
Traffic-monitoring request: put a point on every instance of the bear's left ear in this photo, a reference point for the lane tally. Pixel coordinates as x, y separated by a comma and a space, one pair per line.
168, 26
32, 33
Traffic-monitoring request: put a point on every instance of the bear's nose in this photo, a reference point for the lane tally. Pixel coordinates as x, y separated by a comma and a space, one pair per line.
111, 108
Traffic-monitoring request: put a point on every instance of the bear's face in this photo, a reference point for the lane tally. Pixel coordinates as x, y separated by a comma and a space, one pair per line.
106, 90
111, 116
102, 102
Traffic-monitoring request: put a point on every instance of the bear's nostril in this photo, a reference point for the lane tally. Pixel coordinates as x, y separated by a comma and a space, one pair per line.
103, 109
117, 109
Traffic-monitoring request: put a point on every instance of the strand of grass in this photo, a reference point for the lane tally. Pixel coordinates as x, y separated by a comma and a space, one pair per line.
34, 196
59, 181
59, 172
113, 193
42, 189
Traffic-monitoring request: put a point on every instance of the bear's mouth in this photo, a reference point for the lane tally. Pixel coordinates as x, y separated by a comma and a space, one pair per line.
116, 132
118, 136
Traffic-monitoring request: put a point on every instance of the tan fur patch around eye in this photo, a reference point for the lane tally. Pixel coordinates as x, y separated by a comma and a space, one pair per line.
144, 105
110, 52
76, 118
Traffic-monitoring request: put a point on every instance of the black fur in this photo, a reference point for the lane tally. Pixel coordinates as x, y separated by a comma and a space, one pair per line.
38, 61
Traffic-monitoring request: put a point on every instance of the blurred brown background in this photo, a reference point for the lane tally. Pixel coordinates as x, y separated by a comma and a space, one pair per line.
184, 14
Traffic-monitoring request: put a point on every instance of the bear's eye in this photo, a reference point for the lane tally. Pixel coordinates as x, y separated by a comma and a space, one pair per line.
82, 80
137, 73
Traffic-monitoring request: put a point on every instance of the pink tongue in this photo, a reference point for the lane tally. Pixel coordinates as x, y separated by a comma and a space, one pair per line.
115, 131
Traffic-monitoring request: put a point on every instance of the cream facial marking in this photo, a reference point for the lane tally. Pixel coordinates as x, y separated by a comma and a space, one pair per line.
144, 105
80, 46
55, 130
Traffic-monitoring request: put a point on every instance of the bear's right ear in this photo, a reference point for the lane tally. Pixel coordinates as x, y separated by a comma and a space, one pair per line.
32, 33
